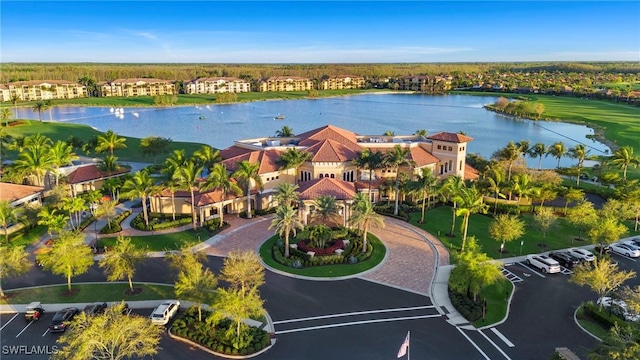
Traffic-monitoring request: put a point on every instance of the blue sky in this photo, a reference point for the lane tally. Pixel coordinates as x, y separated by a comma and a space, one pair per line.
318, 32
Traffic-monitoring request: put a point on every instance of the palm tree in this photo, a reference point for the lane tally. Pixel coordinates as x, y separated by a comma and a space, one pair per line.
176, 159
292, 158
450, 189
14, 99
364, 217
5, 114
624, 158
109, 164
469, 202
39, 107
537, 151
286, 194
52, 220
524, 146
495, 177
187, 177
522, 186
8, 216
219, 179
424, 186
509, 154
557, 150
110, 141
61, 154
421, 132
371, 161
286, 223
139, 186
395, 159
571, 195
34, 161
580, 153
326, 208
74, 205
248, 173
207, 156
285, 132
320, 235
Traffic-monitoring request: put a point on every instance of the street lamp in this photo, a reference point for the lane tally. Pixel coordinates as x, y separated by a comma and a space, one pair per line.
521, 243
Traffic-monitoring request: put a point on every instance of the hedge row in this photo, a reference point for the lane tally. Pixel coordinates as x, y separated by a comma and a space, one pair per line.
352, 254
602, 315
213, 226
159, 222
466, 306
114, 225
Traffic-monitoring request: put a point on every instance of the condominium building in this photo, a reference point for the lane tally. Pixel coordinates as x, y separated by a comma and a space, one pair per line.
425, 83
286, 83
136, 87
342, 82
212, 85
36, 90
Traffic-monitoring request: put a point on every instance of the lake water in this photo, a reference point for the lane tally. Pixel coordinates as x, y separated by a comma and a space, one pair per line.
367, 114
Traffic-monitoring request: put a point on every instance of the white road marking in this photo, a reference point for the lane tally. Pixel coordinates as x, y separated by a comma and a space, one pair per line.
25, 328
502, 337
7, 323
45, 332
624, 256
329, 326
353, 314
472, 343
494, 345
535, 272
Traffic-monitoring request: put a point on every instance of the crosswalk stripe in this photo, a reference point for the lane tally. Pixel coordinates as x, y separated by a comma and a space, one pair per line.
356, 323
353, 314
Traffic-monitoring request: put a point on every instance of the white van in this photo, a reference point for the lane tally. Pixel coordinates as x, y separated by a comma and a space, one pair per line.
165, 312
544, 263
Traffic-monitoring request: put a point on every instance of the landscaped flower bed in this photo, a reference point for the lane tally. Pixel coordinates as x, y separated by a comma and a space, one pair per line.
217, 338
159, 222
114, 225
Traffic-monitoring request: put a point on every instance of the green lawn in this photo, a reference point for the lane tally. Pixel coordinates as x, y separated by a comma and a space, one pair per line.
163, 242
438, 223
591, 326
26, 237
88, 293
62, 131
379, 251
497, 296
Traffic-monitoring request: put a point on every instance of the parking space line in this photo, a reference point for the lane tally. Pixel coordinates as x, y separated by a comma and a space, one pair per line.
502, 337
357, 323
25, 328
566, 271
353, 314
494, 345
511, 276
624, 256
45, 332
472, 343
7, 323
535, 272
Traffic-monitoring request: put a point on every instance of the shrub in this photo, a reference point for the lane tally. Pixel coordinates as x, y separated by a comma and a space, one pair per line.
602, 315
159, 221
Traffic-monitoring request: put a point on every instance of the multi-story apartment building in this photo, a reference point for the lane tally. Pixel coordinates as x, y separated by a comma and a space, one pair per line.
342, 82
286, 83
36, 90
425, 83
136, 87
212, 85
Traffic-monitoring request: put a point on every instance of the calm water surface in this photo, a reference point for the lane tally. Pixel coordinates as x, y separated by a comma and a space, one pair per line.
369, 114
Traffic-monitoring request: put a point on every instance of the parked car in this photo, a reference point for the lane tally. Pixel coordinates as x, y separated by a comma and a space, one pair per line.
34, 311
626, 249
565, 259
95, 308
60, 319
165, 312
582, 254
618, 308
544, 263
635, 241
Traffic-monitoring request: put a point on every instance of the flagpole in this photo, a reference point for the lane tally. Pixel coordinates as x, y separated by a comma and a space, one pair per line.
409, 345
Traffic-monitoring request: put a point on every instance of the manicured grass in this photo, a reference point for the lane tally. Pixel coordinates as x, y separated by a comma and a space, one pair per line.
497, 296
589, 187
438, 223
379, 250
62, 131
26, 237
591, 326
88, 293
163, 242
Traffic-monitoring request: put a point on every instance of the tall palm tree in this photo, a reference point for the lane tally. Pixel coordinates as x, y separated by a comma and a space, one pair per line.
8, 216
187, 177
34, 161
140, 185
395, 159
450, 189
624, 158
508, 154
109, 164
292, 158
522, 186
285, 132
469, 202
421, 132
286, 223
424, 186
74, 205
61, 154
248, 173
496, 178
39, 106
557, 150
580, 153
326, 208
110, 141
537, 151
363, 216
5, 114
207, 156
169, 183
286, 194
524, 146
219, 179
177, 158
14, 100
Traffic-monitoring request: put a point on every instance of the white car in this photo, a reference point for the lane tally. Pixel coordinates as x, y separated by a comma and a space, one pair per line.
582, 254
619, 308
626, 249
165, 312
544, 263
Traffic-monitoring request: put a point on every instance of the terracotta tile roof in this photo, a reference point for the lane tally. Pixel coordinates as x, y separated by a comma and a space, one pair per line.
135, 80
13, 192
331, 151
224, 78
266, 158
4, 87
42, 82
418, 154
345, 76
201, 199
450, 137
341, 190
285, 78
345, 137
91, 172
470, 173
233, 151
